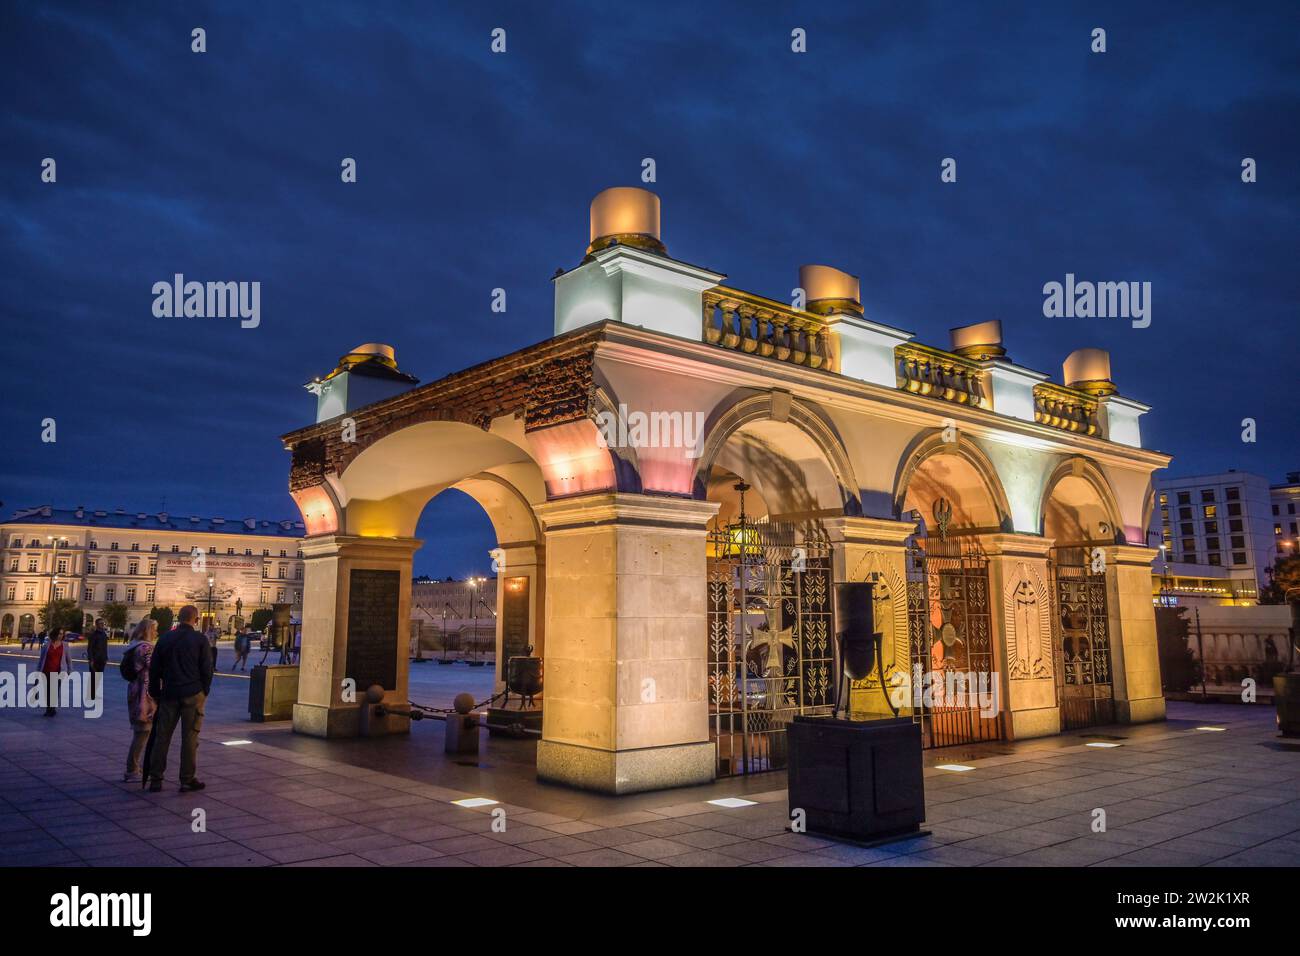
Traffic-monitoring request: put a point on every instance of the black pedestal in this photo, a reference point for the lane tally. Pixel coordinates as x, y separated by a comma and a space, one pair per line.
859, 780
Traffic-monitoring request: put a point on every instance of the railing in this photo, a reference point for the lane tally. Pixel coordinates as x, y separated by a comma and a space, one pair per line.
1065, 408
923, 370
750, 323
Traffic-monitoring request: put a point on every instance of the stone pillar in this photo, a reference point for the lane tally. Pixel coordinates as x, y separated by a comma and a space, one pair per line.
522, 573
1020, 614
867, 549
330, 653
626, 655
1135, 658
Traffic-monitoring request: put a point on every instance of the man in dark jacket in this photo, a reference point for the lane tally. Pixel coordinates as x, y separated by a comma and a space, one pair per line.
180, 676
97, 656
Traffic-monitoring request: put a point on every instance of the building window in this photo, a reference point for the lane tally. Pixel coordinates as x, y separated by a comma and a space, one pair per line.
266, 552
1207, 494
153, 548
109, 593
1238, 541
31, 564
1186, 528
90, 566
1293, 530
59, 592
230, 550
266, 572
284, 554
93, 544
130, 595
1290, 508
15, 542
29, 593
297, 573
135, 546
13, 565
248, 552
1189, 557
1234, 493
1184, 497
1239, 557
1234, 524
133, 567
88, 594
1213, 558
1234, 510
1277, 529
175, 549
1184, 514
212, 549
279, 595
1275, 509
1211, 527
112, 566
148, 595
1164, 498
9, 592
1209, 511
263, 598
279, 573
113, 546
153, 568
1212, 544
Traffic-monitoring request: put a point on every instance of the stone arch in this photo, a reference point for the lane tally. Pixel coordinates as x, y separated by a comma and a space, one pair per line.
1077, 500
766, 419
967, 467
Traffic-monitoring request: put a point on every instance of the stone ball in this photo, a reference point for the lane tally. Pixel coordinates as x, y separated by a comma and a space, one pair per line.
463, 703
374, 694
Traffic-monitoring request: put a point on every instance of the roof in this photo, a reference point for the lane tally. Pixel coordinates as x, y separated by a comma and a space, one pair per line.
162, 521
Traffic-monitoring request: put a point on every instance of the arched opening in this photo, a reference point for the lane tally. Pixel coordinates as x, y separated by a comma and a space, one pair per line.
7, 628
1082, 519
26, 626
950, 488
769, 609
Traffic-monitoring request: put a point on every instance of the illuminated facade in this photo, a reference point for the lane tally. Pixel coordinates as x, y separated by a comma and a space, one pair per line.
142, 561
681, 476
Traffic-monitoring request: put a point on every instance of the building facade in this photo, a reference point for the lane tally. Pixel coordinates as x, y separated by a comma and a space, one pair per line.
683, 480
142, 561
1220, 534
454, 618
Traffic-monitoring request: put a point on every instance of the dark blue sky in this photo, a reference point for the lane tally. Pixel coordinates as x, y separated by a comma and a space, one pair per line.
475, 171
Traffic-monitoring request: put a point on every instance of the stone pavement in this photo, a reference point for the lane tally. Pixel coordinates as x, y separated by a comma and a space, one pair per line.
1174, 795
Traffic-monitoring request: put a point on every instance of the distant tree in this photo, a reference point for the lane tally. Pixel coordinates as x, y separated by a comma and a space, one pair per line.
61, 612
164, 617
261, 618
1283, 575
114, 615
1179, 669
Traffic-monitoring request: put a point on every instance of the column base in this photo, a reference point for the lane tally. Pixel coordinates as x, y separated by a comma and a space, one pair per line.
1142, 711
314, 720
626, 771
1040, 722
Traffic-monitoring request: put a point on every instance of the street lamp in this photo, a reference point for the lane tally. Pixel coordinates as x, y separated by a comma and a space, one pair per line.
54, 578
211, 581
473, 614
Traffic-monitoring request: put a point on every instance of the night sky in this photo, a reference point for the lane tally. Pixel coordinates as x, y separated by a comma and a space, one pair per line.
475, 172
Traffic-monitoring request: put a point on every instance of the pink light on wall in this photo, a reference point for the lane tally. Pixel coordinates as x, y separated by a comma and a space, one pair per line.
666, 469
318, 512
572, 460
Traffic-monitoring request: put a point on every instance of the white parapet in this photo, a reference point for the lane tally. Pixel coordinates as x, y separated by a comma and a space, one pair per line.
1012, 388
634, 286
1121, 420
866, 348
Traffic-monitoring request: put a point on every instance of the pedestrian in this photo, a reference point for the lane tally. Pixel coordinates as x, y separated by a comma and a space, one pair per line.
54, 659
243, 643
97, 655
180, 678
140, 706
213, 635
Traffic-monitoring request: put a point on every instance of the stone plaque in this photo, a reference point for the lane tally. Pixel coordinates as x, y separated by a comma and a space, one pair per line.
372, 628
514, 620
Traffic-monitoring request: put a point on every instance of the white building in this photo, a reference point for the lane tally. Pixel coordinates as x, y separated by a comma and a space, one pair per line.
1220, 534
456, 616
224, 566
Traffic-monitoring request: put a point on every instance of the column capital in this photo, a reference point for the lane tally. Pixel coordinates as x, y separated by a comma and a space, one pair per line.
355, 546
1131, 554
871, 531
617, 508
1016, 545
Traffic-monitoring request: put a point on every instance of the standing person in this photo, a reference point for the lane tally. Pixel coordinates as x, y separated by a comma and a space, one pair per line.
97, 655
242, 645
55, 659
140, 706
180, 677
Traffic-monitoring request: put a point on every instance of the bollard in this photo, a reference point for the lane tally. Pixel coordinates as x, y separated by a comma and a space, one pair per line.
462, 727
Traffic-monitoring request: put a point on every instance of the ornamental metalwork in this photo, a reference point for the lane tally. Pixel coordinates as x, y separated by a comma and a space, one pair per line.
770, 629
951, 643
1082, 638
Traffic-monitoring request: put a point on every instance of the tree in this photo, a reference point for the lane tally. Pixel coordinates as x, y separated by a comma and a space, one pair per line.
114, 615
1283, 575
61, 612
163, 615
1179, 669
261, 618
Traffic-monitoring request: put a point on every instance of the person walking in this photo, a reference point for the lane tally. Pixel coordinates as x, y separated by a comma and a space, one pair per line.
243, 643
97, 656
180, 677
54, 659
140, 706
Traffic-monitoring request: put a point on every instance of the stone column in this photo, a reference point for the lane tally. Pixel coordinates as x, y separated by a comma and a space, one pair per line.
331, 654
874, 549
522, 571
1020, 615
626, 655
1135, 658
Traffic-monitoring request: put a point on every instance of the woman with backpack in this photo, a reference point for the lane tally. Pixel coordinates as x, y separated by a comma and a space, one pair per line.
140, 706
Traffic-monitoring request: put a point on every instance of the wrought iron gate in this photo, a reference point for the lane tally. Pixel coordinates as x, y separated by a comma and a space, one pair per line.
1081, 639
951, 642
770, 625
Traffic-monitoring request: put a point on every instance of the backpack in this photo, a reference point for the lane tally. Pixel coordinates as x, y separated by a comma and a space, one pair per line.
129, 668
